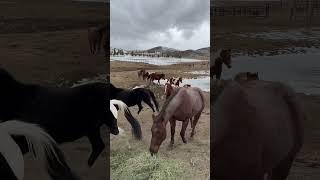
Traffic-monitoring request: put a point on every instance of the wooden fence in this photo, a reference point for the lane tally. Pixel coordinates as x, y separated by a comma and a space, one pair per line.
251, 11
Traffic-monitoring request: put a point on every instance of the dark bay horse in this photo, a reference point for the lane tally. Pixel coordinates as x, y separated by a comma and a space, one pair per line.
246, 76
222, 56
183, 105
41, 144
256, 131
67, 114
157, 76
145, 76
135, 96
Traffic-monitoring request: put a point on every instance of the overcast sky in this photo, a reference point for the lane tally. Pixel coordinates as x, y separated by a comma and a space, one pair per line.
143, 24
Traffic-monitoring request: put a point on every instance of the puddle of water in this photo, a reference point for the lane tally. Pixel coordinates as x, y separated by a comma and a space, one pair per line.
300, 71
153, 61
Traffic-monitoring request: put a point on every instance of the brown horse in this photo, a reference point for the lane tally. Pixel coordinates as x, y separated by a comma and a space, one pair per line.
246, 76
178, 82
184, 104
222, 56
141, 73
156, 76
97, 35
256, 131
168, 90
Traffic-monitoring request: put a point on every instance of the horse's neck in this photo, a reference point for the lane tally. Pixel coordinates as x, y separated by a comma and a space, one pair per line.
170, 109
218, 61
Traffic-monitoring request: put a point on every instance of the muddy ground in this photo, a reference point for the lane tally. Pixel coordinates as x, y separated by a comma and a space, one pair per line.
45, 42
196, 153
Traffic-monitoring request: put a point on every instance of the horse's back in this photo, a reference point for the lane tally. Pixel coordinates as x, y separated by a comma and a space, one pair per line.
254, 128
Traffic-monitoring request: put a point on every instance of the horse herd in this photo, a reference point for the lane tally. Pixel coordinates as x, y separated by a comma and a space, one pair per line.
256, 125
36, 119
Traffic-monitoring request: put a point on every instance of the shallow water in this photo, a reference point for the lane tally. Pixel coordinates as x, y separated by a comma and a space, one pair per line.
301, 71
153, 61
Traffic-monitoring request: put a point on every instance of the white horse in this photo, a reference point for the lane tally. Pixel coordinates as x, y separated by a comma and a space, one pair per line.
41, 144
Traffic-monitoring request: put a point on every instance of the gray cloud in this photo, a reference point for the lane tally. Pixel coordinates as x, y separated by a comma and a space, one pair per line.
142, 24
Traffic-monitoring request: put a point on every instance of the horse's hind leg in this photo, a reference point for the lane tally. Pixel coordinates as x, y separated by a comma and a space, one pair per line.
195, 121
97, 146
140, 107
147, 101
183, 130
173, 128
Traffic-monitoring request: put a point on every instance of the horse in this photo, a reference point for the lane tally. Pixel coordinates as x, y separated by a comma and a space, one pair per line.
145, 76
222, 56
178, 82
168, 90
156, 76
67, 114
141, 73
246, 76
184, 104
256, 131
96, 35
42, 146
135, 96
171, 80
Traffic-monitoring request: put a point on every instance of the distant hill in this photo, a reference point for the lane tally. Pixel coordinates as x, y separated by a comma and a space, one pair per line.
161, 49
202, 53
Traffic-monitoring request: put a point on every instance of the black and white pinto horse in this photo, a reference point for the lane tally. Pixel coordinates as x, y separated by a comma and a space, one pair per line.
41, 144
67, 114
135, 96
222, 56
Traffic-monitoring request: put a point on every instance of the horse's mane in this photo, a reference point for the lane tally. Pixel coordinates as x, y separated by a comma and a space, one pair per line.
166, 103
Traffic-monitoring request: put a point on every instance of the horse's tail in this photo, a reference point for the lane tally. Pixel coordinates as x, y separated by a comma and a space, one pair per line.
41, 145
298, 116
154, 99
136, 128
202, 98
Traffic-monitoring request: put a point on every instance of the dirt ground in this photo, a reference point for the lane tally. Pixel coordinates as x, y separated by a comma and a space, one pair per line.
45, 42
196, 152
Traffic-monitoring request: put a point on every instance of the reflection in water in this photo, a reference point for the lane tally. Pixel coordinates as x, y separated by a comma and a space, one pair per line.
154, 61
301, 71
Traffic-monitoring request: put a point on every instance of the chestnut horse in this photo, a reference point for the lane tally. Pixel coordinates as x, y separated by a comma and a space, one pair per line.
156, 76
222, 56
168, 90
184, 104
256, 131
